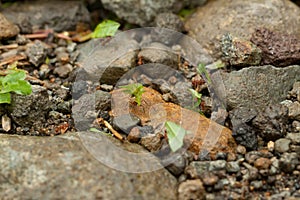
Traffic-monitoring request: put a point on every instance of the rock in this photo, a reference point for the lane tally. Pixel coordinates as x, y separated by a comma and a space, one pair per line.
63, 70
209, 179
197, 168
7, 29
294, 137
282, 145
295, 92
69, 165
59, 16
262, 163
233, 167
238, 52
277, 49
141, 12
152, 142
170, 21
288, 162
178, 166
154, 111
191, 189
271, 146
247, 87
216, 18
217, 165
294, 110
36, 52
241, 149
256, 185
125, 122
102, 100
31, 110
243, 133
270, 124
159, 53
136, 133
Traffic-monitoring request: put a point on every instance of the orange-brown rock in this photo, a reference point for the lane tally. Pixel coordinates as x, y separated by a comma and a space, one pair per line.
154, 111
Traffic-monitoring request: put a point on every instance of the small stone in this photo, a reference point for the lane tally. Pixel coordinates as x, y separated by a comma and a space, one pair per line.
262, 163
288, 162
6, 123
294, 110
219, 116
63, 57
221, 156
241, 149
71, 47
271, 146
282, 145
125, 122
7, 29
296, 125
196, 169
231, 156
170, 21
106, 87
209, 179
36, 52
256, 184
177, 167
152, 142
232, 167
136, 133
102, 100
63, 71
191, 189
294, 137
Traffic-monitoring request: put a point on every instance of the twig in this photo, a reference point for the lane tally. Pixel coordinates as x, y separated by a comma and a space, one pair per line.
10, 46
37, 35
112, 130
12, 59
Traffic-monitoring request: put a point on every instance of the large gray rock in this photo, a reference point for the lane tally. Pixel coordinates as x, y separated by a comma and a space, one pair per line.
143, 12
241, 18
58, 15
256, 87
61, 168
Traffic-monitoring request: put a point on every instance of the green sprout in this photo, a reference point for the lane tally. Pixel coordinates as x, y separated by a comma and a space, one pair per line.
175, 134
13, 80
105, 28
203, 72
136, 90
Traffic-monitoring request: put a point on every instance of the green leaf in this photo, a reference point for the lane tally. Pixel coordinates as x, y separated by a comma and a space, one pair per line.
105, 28
5, 98
175, 135
197, 96
18, 87
203, 72
14, 76
136, 90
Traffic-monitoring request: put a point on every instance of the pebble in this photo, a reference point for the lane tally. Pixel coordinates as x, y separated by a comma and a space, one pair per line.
262, 163
152, 142
138, 132
233, 167
36, 52
271, 146
296, 125
125, 122
7, 29
191, 189
64, 70
209, 179
256, 185
288, 162
177, 167
294, 110
241, 149
217, 165
294, 137
282, 145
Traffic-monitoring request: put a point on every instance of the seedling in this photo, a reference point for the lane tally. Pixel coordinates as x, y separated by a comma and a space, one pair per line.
136, 90
175, 134
196, 95
13, 80
203, 72
105, 28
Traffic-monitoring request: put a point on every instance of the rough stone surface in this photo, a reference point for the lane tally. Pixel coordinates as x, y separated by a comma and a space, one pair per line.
159, 53
241, 18
191, 189
294, 137
294, 110
271, 123
257, 87
277, 49
31, 110
7, 29
170, 21
288, 162
141, 12
59, 16
125, 122
61, 168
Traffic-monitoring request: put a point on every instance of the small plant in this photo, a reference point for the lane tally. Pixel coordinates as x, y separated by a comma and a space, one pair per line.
196, 95
136, 90
175, 134
13, 80
203, 72
105, 28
